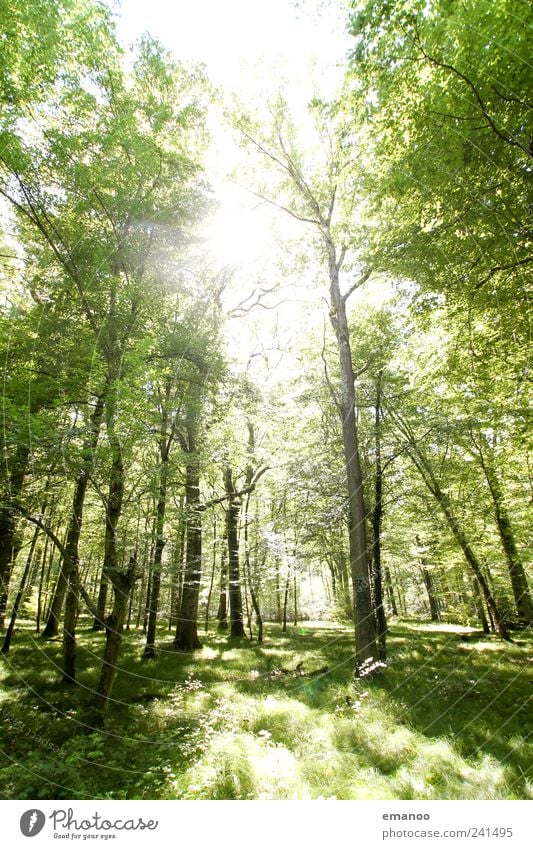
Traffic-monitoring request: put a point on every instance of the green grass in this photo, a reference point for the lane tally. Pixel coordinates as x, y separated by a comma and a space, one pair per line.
447, 720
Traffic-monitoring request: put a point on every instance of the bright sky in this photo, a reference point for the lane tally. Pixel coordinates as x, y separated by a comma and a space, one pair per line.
269, 40
253, 48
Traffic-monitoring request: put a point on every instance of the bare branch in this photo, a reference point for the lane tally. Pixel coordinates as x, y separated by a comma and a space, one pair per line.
364, 277
247, 489
367, 365
281, 206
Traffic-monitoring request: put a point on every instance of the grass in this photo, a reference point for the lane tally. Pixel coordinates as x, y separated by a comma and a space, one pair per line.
447, 720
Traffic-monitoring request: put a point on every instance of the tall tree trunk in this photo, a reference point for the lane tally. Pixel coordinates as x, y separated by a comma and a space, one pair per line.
434, 609
342, 577
177, 570
20, 594
295, 594
277, 590
257, 611
377, 519
286, 599
9, 545
212, 580
521, 593
40, 588
480, 610
366, 643
71, 565
51, 629
434, 606
460, 537
186, 638
149, 649
232, 534
122, 583
222, 613
112, 514
390, 591
473, 562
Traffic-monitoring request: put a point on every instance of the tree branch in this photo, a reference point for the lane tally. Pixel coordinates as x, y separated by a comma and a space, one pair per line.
504, 136
364, 277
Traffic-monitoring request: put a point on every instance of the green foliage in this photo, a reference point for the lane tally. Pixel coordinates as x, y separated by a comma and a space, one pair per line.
444, 90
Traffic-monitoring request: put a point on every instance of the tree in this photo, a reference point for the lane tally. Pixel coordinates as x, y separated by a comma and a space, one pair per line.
325, 200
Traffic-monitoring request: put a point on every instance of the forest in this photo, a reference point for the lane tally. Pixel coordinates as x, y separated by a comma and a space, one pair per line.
265, 491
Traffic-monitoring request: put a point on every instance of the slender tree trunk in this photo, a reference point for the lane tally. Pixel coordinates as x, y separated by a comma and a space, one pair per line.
9, 544
474, 565
286, 599
123, 583
343, 581
149, 649
222, 613
377, 520
232, 525
521, 593
366, 643
466, 548
51, 629
480, 610
71, 566
165, 442
257, 610
434, 606
390, 592
40, 588
186, 638
177, 570
332, 571
279, 618
20, 594
213, 568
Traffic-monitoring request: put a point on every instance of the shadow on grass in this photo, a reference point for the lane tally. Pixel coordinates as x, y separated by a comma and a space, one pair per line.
236, 719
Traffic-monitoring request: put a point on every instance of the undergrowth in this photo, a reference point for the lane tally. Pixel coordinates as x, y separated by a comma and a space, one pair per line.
447, 719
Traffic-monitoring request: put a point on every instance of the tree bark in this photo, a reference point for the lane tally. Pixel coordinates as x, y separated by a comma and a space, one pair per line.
366, 643
460, 537
122, 583
478, 602
286, 599
434, 606
212, 580
390, 592
377, 520
9, 546
222, 613
521, 593
232, 534
71, 564
20, 594
186, 638
51, 629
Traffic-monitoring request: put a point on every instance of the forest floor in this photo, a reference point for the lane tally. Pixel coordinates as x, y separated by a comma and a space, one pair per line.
447, 720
